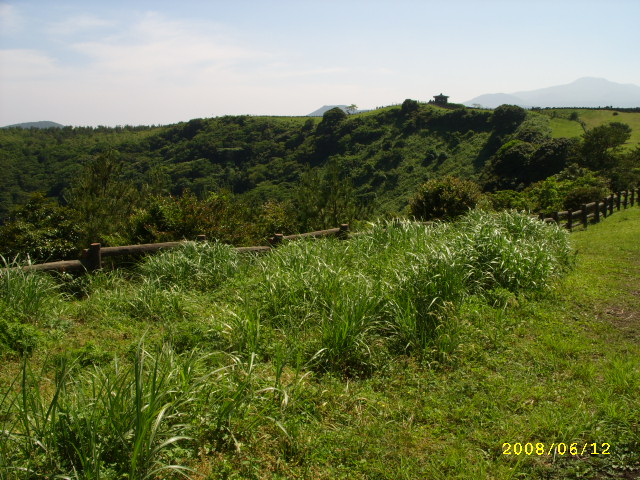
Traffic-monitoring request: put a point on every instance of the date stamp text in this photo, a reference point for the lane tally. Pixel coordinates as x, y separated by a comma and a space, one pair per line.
540, 448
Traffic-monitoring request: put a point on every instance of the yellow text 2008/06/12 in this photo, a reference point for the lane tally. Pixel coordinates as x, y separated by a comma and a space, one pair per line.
540, 448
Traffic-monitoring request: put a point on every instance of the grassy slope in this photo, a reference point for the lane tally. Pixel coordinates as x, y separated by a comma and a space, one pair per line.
563, 127
563, 368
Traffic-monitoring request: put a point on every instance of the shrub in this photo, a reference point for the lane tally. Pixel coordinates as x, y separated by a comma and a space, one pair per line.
507, 200
41, 229
535, 129
17, 338
506, 118
567, 189
444, 198
218, 216
582, 195
409, 106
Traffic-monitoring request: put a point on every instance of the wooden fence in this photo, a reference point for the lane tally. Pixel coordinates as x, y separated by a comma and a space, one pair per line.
595, 211
91, 258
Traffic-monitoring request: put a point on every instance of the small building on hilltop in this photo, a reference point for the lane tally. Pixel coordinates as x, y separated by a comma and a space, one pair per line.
440, 99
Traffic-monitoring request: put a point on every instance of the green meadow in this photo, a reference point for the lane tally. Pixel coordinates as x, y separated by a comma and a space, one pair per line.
562, 126
492, 347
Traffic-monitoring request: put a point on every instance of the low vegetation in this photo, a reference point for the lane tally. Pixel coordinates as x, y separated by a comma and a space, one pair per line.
407, 351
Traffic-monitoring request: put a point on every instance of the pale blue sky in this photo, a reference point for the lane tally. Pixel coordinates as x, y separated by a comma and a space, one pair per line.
157, 62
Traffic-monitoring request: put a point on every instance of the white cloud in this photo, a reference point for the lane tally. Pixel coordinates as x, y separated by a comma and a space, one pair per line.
10, 20
18, 65
156, 49
78, 24
156, 70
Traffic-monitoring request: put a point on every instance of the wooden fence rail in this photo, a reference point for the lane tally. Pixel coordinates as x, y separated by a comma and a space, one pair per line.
595, 211
91, 258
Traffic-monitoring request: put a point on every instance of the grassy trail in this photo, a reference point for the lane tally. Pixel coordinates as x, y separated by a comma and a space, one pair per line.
610, 254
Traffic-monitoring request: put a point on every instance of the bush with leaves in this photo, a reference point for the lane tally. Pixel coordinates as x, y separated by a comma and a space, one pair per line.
508, 200
17, 338
567, 189
626, 173
218, 216
601, 145
444, 198
41, 229
507, 118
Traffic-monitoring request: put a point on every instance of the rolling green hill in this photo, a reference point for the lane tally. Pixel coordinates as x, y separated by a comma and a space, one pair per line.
42, 124
562, 126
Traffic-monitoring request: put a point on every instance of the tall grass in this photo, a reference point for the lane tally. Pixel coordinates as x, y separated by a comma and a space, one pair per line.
162, 287
201, 266
392, 288
512, 251
29, 296
126, 421
102, 423
343, 307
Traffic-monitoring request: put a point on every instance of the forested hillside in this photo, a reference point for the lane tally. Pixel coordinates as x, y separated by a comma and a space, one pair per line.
240, 178
262, 157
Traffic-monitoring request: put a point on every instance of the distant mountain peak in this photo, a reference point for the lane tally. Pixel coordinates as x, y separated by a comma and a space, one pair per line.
321, 111
590, 92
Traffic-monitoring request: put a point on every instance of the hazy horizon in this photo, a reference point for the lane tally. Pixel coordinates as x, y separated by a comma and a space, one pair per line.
144, 62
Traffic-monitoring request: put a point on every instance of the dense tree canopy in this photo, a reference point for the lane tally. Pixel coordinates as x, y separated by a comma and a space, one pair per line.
128, 183
506, 118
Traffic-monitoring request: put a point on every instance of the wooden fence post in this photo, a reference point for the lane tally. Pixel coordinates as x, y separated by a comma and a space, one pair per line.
611, 196
626, 199
618, 195
604, 210
201, 238
556, 217
585, 215
541, 216
569, 219
276, 239
94, 257
633, 196
596, 213
343, 233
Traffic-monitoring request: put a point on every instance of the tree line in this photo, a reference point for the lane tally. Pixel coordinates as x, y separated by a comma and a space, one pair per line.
240, 179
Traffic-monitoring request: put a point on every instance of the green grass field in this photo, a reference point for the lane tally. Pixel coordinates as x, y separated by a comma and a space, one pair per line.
454, 351
563, 127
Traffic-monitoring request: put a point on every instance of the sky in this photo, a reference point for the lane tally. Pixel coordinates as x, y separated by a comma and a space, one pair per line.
89, 63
